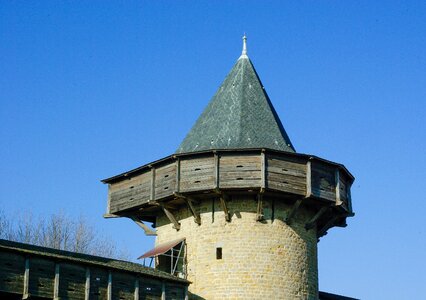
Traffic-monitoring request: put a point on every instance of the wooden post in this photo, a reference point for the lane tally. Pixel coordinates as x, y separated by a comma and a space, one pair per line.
186, 293
263, 169
109, 290
177, 187
26, 295
308, 179
87, 287
108, 211
337, 180
216, 171
56, 282
136, 289
152, 196
163, 291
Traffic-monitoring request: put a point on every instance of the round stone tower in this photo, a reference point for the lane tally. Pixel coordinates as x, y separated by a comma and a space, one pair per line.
236, 210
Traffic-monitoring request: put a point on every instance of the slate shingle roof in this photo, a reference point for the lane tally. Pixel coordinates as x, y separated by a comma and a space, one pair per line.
240, 115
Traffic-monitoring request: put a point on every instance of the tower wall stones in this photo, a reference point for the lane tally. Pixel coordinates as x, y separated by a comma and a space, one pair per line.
260, 260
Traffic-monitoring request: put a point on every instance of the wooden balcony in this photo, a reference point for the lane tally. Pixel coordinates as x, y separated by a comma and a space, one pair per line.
288, 175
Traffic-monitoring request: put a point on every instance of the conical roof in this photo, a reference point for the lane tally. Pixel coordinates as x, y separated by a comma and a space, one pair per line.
240, 115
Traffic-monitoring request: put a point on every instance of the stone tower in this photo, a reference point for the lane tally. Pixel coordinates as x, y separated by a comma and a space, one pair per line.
236, 210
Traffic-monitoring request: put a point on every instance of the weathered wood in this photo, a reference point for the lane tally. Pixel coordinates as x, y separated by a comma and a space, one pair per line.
240, 171
337, 181
42, 278
108, 208
323, 230
170, 216
136, 289
152, 195
163, 291
323, 181
56, 283
263, 170
25, 293
311, 223
123, 286
148, 231
293, 211
174, 292
109, 289
87, 286
223, 199
177, 187
190, 202
259, 214
186, 293
216, 171
197, 174
98, 283
308, 179
165, 181
287, 183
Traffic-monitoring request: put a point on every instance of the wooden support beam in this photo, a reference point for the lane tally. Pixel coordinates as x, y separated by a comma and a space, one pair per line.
313, 220
197, 218
25, 294
170, 216
216, 170
190, 202
186, 293
323, 230
337, 180
109, 216
108, 208
293, 211
56, 282
308, 179
136, 289
152, 195
177, 186
263, 169
259, 214
109, 290
223, 199
87, 286
148, 231
163, 291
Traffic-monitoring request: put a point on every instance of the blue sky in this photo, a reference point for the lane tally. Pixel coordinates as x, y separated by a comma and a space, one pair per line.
89, 89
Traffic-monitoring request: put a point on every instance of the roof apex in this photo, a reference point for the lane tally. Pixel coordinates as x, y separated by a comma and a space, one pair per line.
240, 115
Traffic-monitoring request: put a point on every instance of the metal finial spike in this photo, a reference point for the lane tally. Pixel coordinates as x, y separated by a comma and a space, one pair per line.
244, 52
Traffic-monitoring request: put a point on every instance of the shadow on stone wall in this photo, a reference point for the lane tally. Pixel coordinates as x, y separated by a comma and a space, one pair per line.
192, 296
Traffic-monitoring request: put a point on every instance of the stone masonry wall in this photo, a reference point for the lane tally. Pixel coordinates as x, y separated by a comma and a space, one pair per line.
261, 260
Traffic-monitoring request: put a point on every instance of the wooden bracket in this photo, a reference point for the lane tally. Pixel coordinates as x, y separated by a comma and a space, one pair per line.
170, 216
148, 231
313, 220
223, 199
259, 215
190, 202
323, 230
108, 216
293, 211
